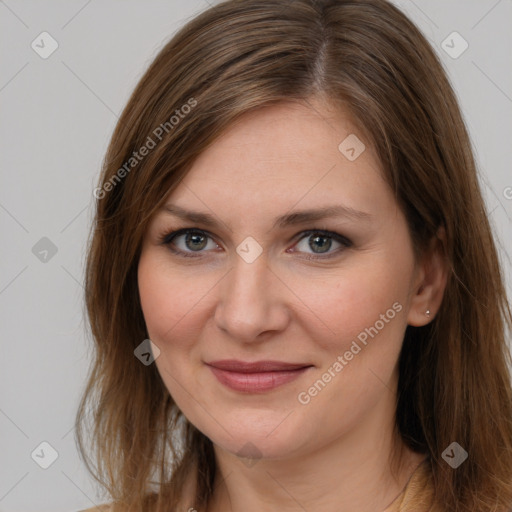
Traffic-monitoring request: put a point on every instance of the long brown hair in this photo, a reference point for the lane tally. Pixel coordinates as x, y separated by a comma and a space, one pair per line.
369, 58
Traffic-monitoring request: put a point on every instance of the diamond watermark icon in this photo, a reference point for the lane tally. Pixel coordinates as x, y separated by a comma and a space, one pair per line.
147, 352
44, 45
455, 455
454, 45
249, 249
44, 455
351, 147
44, 250
250, 454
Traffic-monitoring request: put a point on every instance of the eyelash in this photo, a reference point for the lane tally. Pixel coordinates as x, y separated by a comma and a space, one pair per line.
167, 238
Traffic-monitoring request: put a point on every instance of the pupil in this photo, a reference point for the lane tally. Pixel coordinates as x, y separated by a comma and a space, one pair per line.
325, 246
195, 237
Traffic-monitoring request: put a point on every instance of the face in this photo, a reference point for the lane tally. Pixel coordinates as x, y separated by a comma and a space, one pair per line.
279, 331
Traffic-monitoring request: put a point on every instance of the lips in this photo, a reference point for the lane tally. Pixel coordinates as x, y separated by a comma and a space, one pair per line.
233, 365
254, 377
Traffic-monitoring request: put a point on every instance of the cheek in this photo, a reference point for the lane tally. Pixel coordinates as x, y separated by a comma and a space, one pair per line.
169, 298
370, 296
365, 313
170, 303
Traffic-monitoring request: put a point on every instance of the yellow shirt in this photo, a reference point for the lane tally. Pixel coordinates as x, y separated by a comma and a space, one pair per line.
418, 493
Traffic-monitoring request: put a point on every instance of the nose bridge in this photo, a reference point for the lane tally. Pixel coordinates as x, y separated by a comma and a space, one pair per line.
250, 300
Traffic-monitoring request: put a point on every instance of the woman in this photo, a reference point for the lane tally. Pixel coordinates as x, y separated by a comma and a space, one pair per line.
292, 284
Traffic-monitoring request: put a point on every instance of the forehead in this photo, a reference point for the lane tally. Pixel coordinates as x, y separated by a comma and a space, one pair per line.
284, 155
303, 134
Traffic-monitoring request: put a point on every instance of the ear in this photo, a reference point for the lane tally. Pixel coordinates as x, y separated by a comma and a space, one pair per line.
430, 282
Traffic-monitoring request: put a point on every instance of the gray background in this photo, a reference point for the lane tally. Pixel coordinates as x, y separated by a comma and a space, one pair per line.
57, 117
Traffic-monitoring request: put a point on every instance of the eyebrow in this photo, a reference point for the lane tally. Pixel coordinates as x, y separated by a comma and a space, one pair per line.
289, 219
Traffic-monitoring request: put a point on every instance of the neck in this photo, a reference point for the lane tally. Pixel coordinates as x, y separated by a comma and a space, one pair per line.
351, 472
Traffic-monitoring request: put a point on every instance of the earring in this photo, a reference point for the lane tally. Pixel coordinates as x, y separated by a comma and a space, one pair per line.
427, 312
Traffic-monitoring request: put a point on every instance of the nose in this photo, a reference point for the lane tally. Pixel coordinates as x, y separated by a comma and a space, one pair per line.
252, 301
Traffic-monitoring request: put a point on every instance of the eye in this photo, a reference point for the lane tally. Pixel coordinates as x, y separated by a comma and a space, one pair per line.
192, 240
185, 242
320, 242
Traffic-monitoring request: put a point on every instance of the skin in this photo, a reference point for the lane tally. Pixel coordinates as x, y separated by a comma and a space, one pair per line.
333, 453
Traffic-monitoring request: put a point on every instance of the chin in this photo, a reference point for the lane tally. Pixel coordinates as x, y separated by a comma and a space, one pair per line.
258, 448
258, 434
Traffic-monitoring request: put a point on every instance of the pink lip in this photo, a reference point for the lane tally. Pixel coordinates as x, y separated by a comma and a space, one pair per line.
255, 377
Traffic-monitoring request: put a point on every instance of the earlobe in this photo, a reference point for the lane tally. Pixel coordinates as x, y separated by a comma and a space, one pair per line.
419, 318
433, 276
